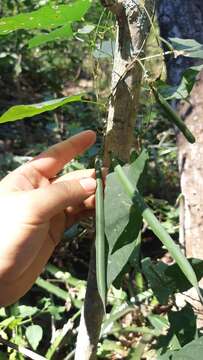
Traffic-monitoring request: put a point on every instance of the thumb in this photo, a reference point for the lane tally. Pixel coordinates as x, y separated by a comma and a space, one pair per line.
49, 201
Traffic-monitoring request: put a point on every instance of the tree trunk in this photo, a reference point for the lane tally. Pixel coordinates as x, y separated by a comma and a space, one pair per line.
184, 19
132, 29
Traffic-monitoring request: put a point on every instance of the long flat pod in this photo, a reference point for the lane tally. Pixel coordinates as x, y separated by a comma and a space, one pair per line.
100, 234
158, 229
172, 116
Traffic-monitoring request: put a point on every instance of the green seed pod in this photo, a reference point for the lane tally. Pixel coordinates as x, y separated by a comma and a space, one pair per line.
100, 234
158, 229
172, 116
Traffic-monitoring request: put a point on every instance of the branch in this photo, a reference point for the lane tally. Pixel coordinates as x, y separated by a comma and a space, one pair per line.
132, 31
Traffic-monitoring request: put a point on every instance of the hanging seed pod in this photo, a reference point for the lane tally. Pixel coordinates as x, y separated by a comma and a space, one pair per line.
172, 116
158, 229
100, 234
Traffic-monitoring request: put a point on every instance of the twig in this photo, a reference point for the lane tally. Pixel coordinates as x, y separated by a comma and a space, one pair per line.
26, 352
70, 355
63, 332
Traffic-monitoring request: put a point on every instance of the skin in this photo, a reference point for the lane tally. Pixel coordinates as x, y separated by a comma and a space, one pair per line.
36, 208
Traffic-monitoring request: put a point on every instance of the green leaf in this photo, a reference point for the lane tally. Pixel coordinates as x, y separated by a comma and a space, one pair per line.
161, 285
188, 47
104, 50
191, 351
27, 311
179, 280
47, 17
34, 335
136, 168
56, 311
7, 322
157, 228
128, 245
159, 322
183, 90
182, 329
182, 324
117, 217
122, 221
62, 33
24, 111
166, 280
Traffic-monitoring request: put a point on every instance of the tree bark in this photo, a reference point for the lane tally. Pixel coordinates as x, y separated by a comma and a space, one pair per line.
132, 29
184, 19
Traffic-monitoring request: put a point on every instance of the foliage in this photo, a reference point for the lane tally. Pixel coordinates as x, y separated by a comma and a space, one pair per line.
123, 227
141, 303
183, 90
189, 351
47, 17
25, 111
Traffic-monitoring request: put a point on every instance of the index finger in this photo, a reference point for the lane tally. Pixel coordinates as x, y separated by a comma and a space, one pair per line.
50, 162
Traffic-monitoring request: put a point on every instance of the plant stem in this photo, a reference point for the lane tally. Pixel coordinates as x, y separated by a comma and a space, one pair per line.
63, 332
26, 352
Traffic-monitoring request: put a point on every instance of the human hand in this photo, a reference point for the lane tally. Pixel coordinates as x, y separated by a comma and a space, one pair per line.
36, 208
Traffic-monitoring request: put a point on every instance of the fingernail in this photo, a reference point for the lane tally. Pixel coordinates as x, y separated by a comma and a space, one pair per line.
89, 184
